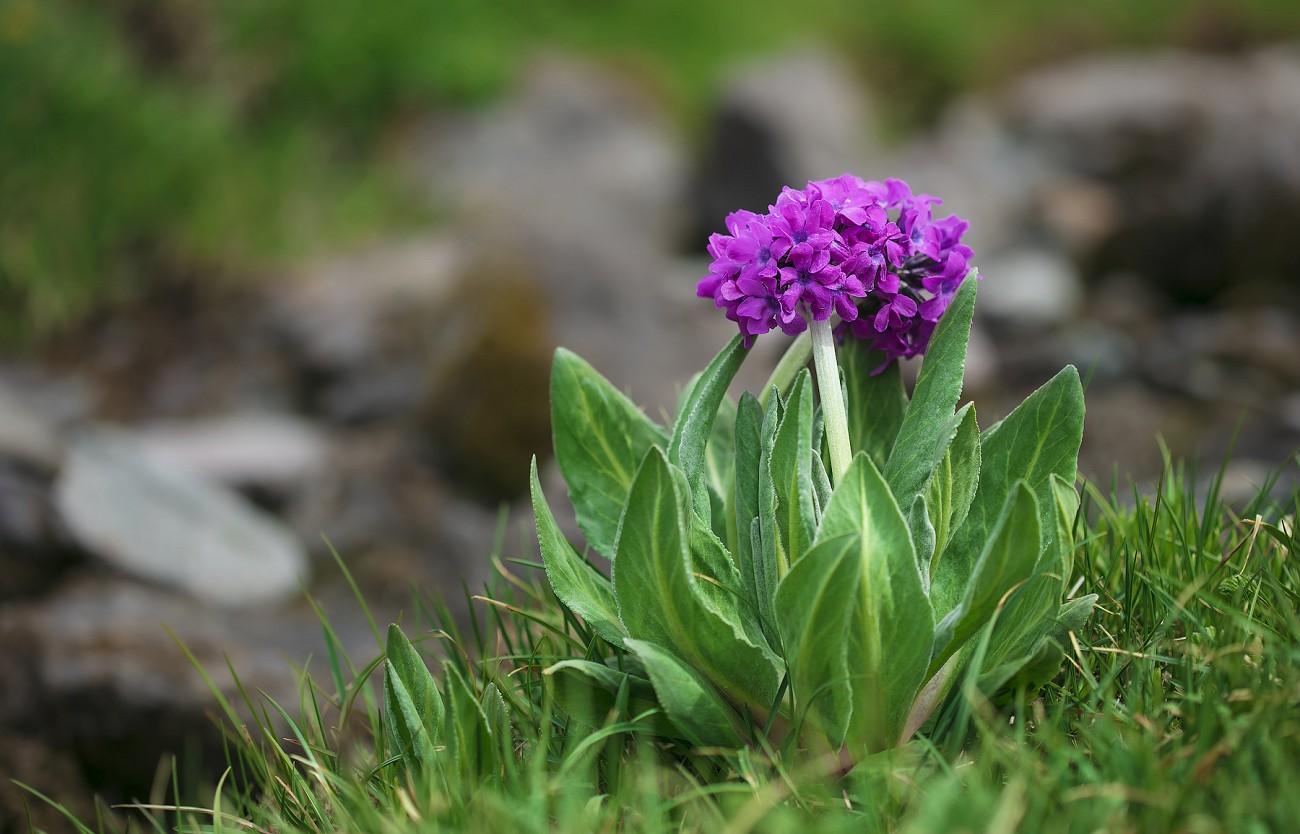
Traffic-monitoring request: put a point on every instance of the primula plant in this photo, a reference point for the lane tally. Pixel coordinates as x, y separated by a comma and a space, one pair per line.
814, 568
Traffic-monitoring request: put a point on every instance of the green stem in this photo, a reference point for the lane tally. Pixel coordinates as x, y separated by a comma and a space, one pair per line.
832, 397
795, 359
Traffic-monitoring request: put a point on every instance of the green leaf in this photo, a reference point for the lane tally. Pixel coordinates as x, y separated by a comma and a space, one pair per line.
719, 468
583, 589
875, 404
414, 712
469, 737
405, 734
791, 470
929, 424
891, 630
923, 537
1007, 560
767, 550
1027, 617
600, 438
1065, 500
1037, 658
655, 589
813, 607
587, 692
748, 454
821, 486
498, 726
718, 583
694, 423
1037, 440
690, 701
951, 487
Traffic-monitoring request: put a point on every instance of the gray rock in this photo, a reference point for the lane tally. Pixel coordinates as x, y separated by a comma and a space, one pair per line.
343, 313
974, 163
34, 551
95, 670
576, 182
1202, 153
1033, 287
982, 362
25, 435
160, 522
576, 158
1289, 408
782, 121
262, 450
1244, 479
384, 391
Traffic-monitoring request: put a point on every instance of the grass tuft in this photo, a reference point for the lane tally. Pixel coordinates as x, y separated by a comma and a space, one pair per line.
1176, 711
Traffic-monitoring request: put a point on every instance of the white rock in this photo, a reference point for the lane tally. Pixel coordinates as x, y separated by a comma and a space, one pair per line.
160, 522
273, 450
1030, 286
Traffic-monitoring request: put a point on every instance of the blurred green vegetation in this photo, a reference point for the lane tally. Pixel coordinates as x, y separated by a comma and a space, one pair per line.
152, 140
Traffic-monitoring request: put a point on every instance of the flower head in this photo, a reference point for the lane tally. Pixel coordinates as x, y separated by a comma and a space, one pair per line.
871, 253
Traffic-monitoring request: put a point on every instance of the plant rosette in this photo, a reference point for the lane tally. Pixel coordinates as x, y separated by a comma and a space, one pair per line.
817, 569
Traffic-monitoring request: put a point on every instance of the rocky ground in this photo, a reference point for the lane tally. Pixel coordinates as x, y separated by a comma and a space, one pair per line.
190, 463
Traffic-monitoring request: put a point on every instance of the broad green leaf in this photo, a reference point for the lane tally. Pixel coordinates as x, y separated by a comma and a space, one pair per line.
405, 733
583, 589
1037, 440
414, 711
876, 402
709, 556
923, 537
586, 691
498, 727
718, 584
791, 470
929, 425
1065, 500
694, 422
821, 486
748, 454
767, 550
1027, 616
1037, 658
655, 589
1008, 560
691, 702
600, 438
813, 607
951, 487
719, 467
891, 630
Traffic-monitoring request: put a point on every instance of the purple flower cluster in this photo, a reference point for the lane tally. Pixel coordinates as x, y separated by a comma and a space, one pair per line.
870, 252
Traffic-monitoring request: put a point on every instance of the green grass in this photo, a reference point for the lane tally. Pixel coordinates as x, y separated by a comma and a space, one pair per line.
147, 141
1176, 711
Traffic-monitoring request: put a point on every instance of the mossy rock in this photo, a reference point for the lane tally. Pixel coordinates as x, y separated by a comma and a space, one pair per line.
487, 411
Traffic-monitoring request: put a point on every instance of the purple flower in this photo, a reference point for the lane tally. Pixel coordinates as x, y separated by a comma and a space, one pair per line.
801, 224
870, 253
807, 282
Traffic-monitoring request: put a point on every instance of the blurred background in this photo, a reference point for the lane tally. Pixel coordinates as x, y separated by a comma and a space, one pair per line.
281, 275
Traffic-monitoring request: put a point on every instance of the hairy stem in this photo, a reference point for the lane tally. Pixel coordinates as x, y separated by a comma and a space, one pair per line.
832, 397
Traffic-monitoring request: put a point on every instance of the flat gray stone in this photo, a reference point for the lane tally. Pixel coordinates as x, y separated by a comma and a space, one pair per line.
161, 522
272, 450
1034, 287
